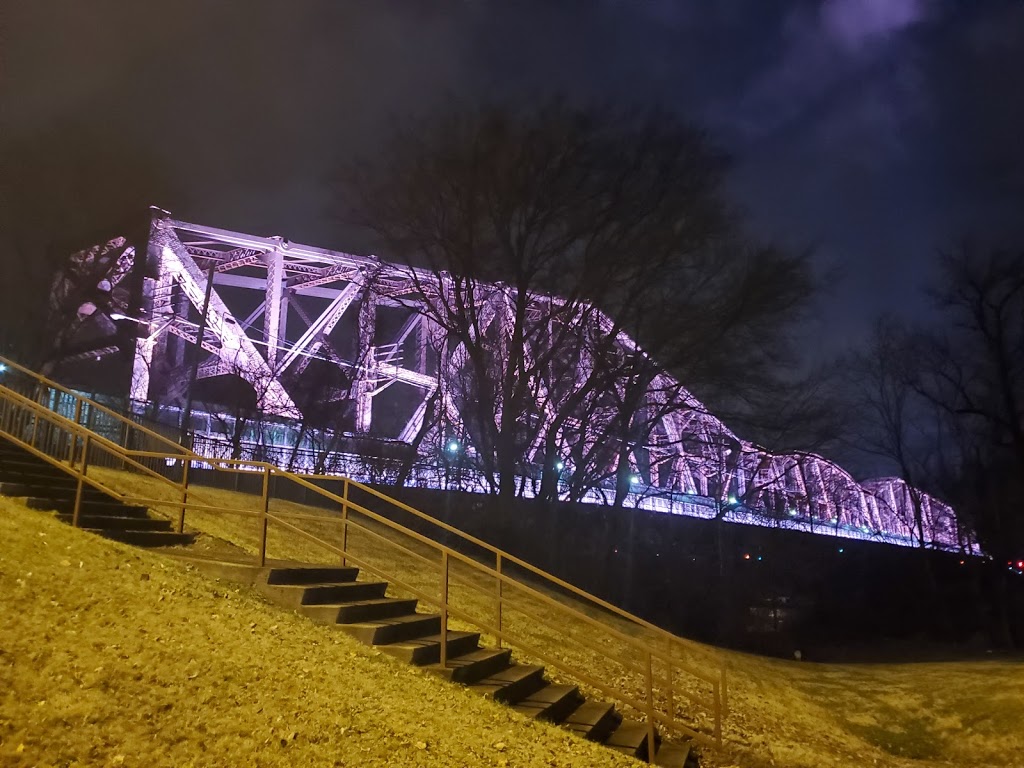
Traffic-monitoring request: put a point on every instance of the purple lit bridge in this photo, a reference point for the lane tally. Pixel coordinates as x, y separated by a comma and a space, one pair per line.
311, 329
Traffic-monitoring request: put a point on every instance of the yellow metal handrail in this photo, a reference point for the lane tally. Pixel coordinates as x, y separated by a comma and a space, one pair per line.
66, 443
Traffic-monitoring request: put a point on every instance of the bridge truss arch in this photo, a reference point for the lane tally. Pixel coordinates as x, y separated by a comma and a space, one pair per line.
311, 329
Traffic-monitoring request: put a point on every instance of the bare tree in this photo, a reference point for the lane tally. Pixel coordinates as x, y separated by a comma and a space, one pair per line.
896, 423
552, 234
973, 371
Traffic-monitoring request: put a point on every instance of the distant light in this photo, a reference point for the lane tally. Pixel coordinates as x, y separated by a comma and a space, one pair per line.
961, 562
732, 499
634, 479
453, 446
746, 557
2, 367
841, 550
759, 558
835, 519
792, 512
559, 465
1020, 563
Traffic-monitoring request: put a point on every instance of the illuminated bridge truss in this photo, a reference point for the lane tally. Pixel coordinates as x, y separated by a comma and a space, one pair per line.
279, 313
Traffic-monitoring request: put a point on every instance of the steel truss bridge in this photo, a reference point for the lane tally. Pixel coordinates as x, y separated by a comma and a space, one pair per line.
282, 315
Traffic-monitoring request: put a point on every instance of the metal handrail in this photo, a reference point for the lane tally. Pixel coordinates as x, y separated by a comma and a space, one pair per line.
80, 399
38, 412
526, 566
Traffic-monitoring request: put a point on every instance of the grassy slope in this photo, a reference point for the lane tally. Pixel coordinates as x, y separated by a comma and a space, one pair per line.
111, 656
789, 714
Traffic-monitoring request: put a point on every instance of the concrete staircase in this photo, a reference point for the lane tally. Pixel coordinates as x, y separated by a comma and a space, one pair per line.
335, 597
44, 486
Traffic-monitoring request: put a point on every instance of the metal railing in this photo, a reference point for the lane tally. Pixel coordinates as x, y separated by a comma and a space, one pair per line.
589, 641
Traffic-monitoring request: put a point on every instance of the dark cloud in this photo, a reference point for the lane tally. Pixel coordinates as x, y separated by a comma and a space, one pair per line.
876, 130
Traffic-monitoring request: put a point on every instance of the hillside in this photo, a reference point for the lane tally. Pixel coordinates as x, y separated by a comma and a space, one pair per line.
114, 656
108, 651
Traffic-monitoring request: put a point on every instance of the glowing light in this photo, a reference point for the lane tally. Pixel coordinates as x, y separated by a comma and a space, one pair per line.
453, 446
732, 499
634, 479
746, 557
559, 465
1020, 563
841, 550
792, 512
759, 558
2, 367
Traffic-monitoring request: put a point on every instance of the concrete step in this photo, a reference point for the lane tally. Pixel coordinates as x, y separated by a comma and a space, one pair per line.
145, 538
17, 472
298, 595
110, 522
594, 720
673, 755
630, 738
427, 650
552, 702
512, 683
473, 666
17, 454
393, 630
49, 490
13, 452
360, 611
311, 575
67, 506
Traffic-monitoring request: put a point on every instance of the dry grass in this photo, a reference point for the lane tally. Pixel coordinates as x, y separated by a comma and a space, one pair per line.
114, 656
782, 713
413, 568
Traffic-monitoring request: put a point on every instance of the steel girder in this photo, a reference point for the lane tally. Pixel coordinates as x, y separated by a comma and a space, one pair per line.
690, 452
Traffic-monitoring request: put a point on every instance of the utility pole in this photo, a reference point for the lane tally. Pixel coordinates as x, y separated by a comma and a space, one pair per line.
186, 416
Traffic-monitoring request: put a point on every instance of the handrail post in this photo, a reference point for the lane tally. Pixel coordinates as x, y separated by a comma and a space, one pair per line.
444, 608
124, 443
344, 521
35, 428
717, 698
80, 488
725, 690
73, 435
263, 516
652, 747
497, 568
669, 687
186, 463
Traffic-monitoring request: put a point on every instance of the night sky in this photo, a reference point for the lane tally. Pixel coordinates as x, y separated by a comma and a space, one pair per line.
873, 131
